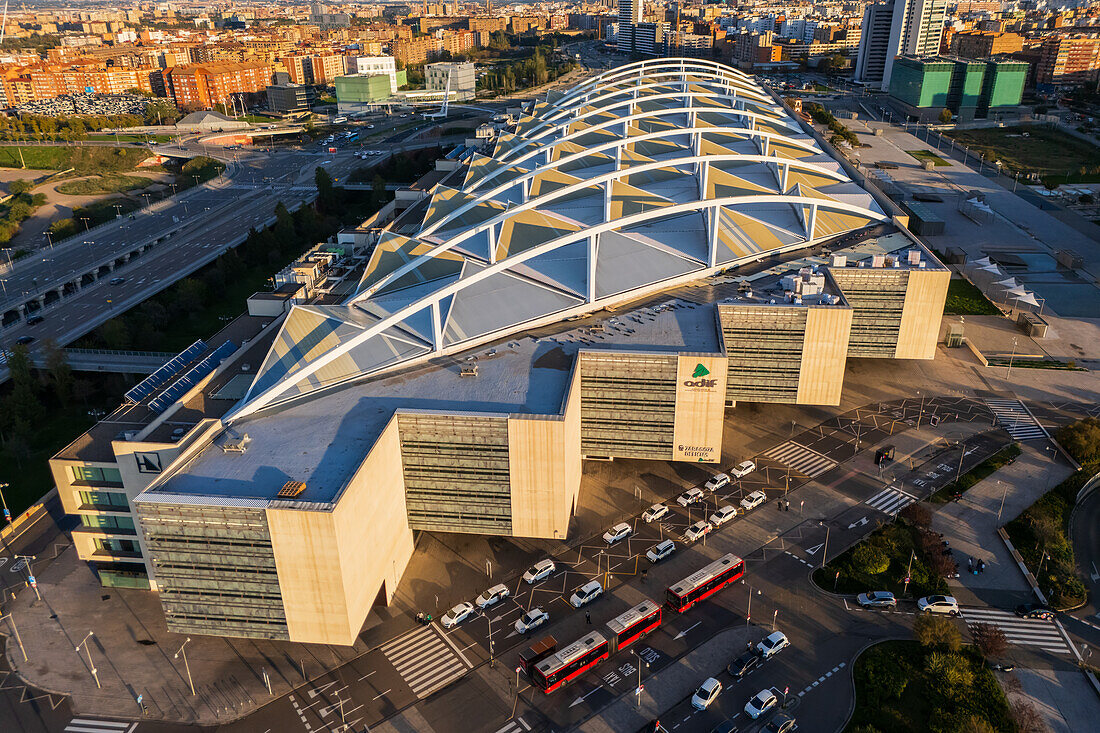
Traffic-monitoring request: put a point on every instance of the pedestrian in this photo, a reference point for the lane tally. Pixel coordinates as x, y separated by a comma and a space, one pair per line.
779, 504
787, 505
645, 574
981, 566
969, 564
588, 618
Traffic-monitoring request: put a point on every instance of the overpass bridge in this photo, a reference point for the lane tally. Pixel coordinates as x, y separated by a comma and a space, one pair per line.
103, 360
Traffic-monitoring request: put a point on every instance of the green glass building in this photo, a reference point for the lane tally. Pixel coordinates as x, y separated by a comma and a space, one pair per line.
969, 88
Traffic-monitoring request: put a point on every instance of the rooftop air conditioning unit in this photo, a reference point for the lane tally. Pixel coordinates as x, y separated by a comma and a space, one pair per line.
468, 371
235, 443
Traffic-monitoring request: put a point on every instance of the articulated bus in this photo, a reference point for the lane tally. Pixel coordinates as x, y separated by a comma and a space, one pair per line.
628, 627
704, 583
571, 662
574, 660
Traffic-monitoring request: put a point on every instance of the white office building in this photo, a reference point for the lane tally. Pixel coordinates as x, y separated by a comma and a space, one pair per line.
373, 66
897, 28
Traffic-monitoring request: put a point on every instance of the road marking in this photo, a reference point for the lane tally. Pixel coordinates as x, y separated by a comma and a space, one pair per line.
1020, 631
426, 660
683, 633
382, 694
796, 557
802, 459
582, 698
890, 500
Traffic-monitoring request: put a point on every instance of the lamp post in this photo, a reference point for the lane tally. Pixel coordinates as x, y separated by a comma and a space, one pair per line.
11, 620
7, 512
638, 688
825, 550
1008, 374
30, 572
183, 650
88, 651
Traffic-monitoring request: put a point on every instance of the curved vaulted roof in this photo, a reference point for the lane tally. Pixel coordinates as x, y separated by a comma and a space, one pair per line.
642, 177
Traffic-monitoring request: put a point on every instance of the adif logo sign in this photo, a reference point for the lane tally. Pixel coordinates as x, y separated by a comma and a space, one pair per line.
698, 378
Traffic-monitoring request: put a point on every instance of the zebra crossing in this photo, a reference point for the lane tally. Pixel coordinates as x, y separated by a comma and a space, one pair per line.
514, 726
1020, 631
890, 500
426, 660
1015, 418
88, 725
800, 458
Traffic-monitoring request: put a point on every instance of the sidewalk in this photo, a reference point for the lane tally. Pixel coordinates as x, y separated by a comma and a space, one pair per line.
971, 523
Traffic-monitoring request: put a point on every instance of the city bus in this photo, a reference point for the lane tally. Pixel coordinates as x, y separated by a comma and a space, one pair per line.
571, 662
629, 626
704, 583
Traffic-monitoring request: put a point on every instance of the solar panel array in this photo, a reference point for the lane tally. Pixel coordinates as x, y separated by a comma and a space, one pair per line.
192, 377
147, 386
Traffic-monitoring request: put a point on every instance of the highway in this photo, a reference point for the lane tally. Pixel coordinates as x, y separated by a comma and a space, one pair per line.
194, 228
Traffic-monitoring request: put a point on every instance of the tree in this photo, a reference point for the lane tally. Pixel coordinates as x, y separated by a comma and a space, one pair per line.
20, 185
937, 632
989, 639
378, 191
945, 115
61, 373
977, 724
918, 515
326, 192
949, 672
870, 559
1027, 718
1081, 439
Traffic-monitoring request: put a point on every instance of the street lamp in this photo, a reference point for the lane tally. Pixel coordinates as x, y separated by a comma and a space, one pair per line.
30, 572
638, 688
7, 512
11, 620
84, 643
186, 666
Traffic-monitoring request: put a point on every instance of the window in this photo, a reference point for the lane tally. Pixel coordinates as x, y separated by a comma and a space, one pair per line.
105, 499
107, 521
148, 462
94, 475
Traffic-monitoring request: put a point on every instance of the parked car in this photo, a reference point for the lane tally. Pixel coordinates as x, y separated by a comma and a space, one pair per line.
531, 620
587, 593
660, 551
744, 468
457, 615
764, 701
877, 599
493, 596
1035, 610
617, 533
717, 482
723, 515
938, 604
707, 693
697, 531
753, 500
541, 570
744, 664
655, 512
772, 644
781, 723
689, 497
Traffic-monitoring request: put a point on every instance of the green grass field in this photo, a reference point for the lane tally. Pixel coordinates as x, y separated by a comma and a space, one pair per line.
1035, 149
109, 183
88, 159
124, 138
923, 155
963, 299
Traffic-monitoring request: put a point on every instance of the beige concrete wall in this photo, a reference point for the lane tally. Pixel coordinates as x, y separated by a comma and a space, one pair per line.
824, 355
333, 562
921, 314
700, 406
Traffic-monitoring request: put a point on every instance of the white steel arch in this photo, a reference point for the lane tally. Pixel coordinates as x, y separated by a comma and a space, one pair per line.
793, 210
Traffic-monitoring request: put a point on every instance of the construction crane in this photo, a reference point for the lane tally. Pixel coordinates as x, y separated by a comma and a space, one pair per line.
442, 113
4, 24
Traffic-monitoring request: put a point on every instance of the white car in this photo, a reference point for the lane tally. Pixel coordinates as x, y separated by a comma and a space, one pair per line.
541, 570
617, 533
457, 615
772, 644
764, 701
753, 500
938, 604
660, 551
723, 515
493, 596
587, 593
690, 497
706, 694
655, 512
717, 482
744, 468
531, 620
697, 531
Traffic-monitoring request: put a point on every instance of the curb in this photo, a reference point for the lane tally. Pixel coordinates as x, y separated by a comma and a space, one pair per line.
852, 675
1031, 580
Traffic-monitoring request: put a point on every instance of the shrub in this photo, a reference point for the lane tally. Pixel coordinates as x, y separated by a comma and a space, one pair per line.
918, 515
870, 559
938, 632
1081, 439
948, 673
977, 724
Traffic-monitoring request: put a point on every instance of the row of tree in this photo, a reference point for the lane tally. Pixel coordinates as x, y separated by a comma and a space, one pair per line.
77, 127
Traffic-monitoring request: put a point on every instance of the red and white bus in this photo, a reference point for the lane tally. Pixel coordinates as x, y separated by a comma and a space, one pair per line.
704, 583
571, 662
628, 627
